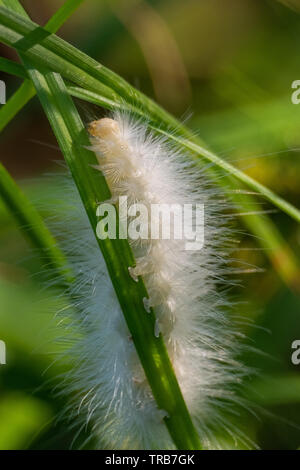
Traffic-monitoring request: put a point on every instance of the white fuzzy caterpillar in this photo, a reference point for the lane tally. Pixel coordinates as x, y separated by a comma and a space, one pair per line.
105, 375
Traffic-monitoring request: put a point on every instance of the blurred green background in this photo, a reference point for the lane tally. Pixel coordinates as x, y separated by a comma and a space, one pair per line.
226, 68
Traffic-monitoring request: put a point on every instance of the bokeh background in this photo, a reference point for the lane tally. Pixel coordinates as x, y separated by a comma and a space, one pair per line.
226, 67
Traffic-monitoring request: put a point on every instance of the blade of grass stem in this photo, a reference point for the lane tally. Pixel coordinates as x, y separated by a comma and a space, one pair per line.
16, 102
269, 237
26, 90
13, 68
62, 15
32, 224
198, 150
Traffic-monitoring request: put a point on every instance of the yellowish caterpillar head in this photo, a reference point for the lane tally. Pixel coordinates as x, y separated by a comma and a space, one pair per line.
104, 128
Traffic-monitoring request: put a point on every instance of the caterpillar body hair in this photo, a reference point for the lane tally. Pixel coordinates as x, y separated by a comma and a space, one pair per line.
105, 377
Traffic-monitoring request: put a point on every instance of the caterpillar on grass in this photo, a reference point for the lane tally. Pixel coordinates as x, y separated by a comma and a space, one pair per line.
105, 377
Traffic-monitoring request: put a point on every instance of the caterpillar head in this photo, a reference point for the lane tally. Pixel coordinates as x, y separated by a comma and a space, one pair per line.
105, 128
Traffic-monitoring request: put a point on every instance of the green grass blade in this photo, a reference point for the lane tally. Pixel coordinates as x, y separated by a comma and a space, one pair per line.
55, 62
14, 5
269, 237
32, 224
26, 90
13, 68
18, 70
198, 150
56, 21
15, 103
62, 15
73, 64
